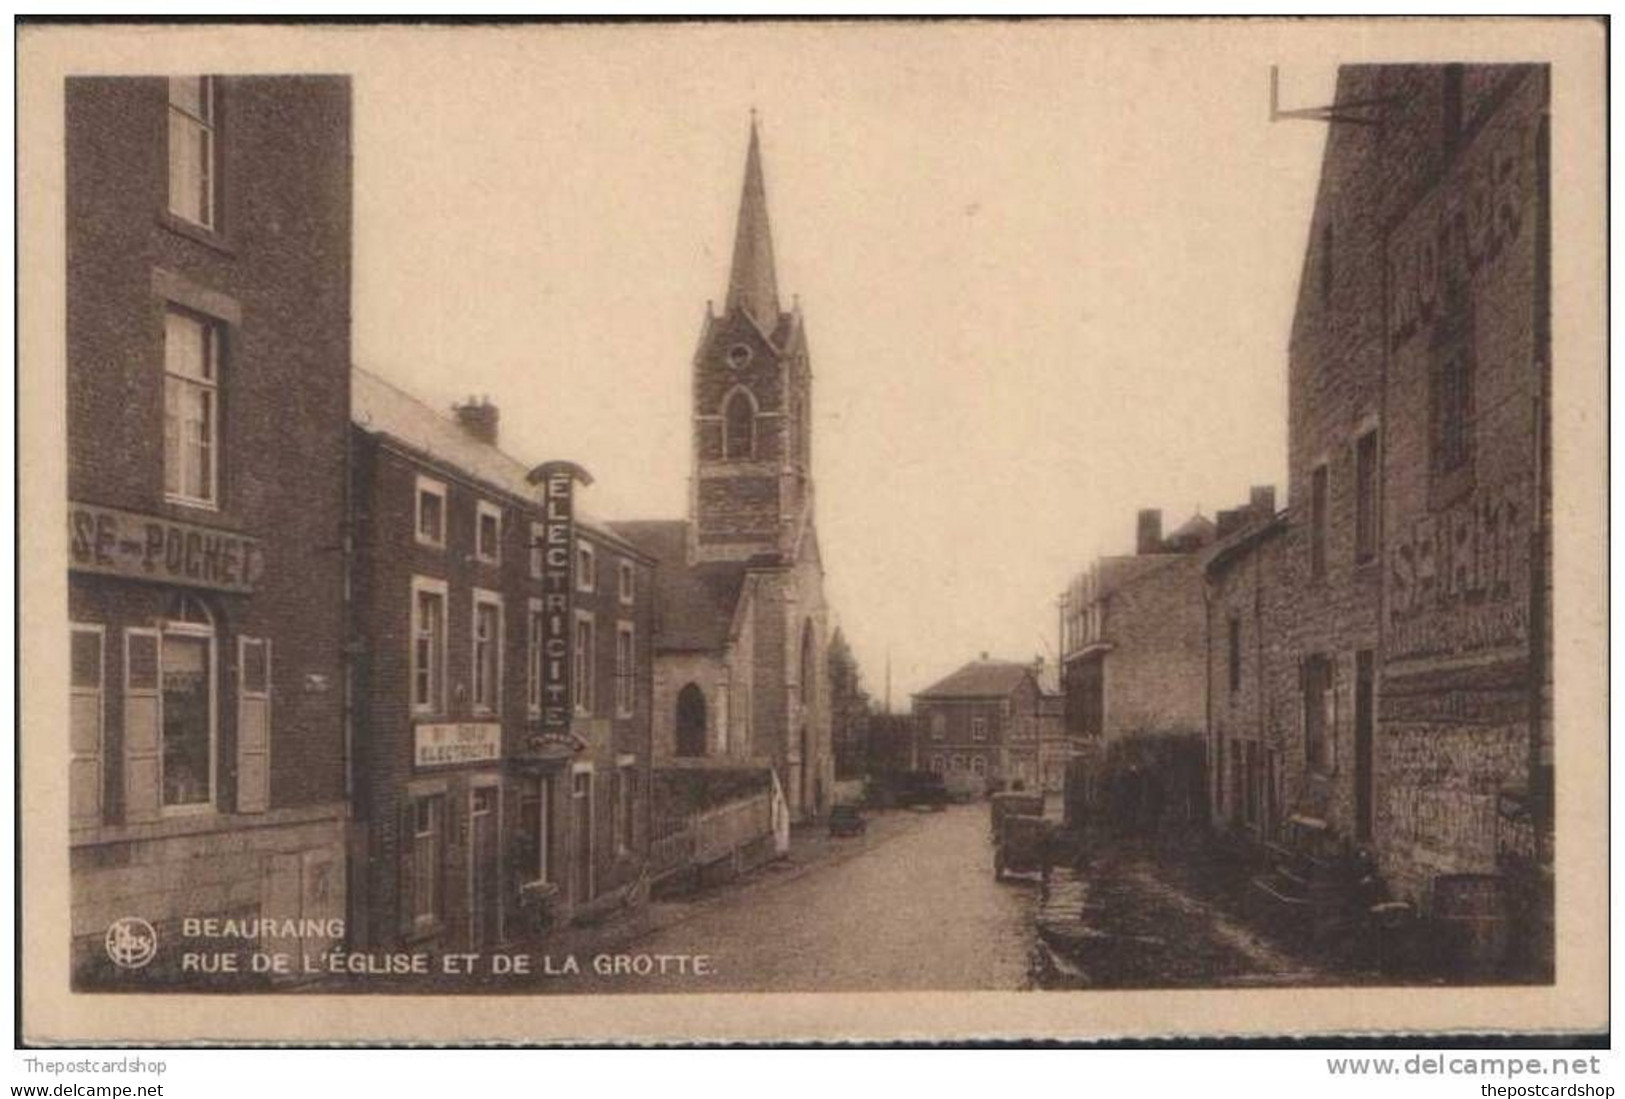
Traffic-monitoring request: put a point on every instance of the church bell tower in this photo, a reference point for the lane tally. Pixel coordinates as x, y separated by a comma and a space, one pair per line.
750, 493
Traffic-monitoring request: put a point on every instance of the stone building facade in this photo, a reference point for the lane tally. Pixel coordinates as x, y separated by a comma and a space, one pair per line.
477, 827
1403, 600
741, 632
208, 350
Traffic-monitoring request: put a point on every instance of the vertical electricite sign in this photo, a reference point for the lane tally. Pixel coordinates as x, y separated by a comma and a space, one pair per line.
557, 482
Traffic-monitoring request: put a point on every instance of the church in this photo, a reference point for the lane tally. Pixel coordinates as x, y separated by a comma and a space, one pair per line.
740, 676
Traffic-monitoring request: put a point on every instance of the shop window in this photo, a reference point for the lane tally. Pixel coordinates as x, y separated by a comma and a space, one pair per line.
191, 409
193, 162
425, 863
487, 652
187, 707
1319, 715
488, 533
85, 734
625, 670
535, 831
431, 512
1319, 516
1365, 498
581, 664
428, 645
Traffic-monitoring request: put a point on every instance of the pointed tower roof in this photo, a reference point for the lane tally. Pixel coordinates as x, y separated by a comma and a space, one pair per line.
752, 284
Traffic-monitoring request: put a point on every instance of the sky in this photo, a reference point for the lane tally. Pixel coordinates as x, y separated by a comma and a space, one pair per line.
1048, 274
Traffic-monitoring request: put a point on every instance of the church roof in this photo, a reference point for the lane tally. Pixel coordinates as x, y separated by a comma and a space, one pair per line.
694, 604
752, 282
980, 679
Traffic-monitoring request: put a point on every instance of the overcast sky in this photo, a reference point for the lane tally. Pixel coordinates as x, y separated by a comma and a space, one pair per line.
1048, 275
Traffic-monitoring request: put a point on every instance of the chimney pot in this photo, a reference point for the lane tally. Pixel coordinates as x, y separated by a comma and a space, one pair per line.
480, 418
1148, 531
1263, 500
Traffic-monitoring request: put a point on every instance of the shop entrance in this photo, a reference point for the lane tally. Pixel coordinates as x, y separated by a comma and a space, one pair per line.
483, 905
581, 830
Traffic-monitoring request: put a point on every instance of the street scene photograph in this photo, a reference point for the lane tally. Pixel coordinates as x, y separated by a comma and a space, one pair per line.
946, 508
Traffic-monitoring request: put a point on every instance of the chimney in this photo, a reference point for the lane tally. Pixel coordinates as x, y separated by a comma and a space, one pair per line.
984, 658
1262, 500
479, 418
1148, 537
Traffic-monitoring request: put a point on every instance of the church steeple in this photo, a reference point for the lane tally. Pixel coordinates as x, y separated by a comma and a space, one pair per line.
752, 284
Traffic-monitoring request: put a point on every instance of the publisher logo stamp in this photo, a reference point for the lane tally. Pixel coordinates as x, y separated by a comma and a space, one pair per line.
131, 942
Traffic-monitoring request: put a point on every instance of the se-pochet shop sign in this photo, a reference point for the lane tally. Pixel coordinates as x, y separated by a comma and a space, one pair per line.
145, 547
442, 745
557, 550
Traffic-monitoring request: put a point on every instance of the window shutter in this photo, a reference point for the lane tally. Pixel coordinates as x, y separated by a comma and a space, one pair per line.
253, 724
85, 728
143, 725
404, 896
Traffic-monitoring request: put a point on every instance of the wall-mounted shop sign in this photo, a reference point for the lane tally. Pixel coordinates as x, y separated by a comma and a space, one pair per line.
453, 743
557, 549
112, 542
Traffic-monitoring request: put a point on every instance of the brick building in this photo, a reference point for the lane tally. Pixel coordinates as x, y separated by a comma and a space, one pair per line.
208, 349
741, 639
478, 829
979, 727
1406, 698
1133, 638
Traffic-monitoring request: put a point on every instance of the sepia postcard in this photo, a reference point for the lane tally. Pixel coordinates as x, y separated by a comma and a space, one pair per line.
812, 531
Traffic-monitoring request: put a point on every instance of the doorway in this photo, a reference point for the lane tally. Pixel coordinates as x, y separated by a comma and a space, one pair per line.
1364, 730
484, 893
581, 830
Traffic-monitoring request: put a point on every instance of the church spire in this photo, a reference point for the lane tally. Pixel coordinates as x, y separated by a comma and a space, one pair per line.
752, 284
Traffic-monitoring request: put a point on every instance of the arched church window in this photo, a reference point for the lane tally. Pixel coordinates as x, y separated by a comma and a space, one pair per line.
691, 721
739, 425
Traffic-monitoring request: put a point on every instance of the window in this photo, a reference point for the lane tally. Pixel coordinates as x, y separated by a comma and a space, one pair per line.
627, 581
488, 533
535, 805
85, 717
431, 508
625, 670
191, 409
537, 531
192, 154
1319, 515
1319, 722
626, 777
978, 727
487, 652
937, 765
939, 725
1365, 498
428, 645
1450, 393
978, 765
586, 567
533, 662
957, 765
1235, 654
739, 426
187, 701
428, 816
581, 666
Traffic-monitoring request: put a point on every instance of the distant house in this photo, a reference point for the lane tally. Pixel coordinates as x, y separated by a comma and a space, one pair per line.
979, 727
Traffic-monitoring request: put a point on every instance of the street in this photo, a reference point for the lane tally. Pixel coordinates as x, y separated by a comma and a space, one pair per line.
909, 906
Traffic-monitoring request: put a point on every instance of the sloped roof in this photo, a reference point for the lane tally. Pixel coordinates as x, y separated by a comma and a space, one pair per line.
380, 407
694, 604
980, 679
